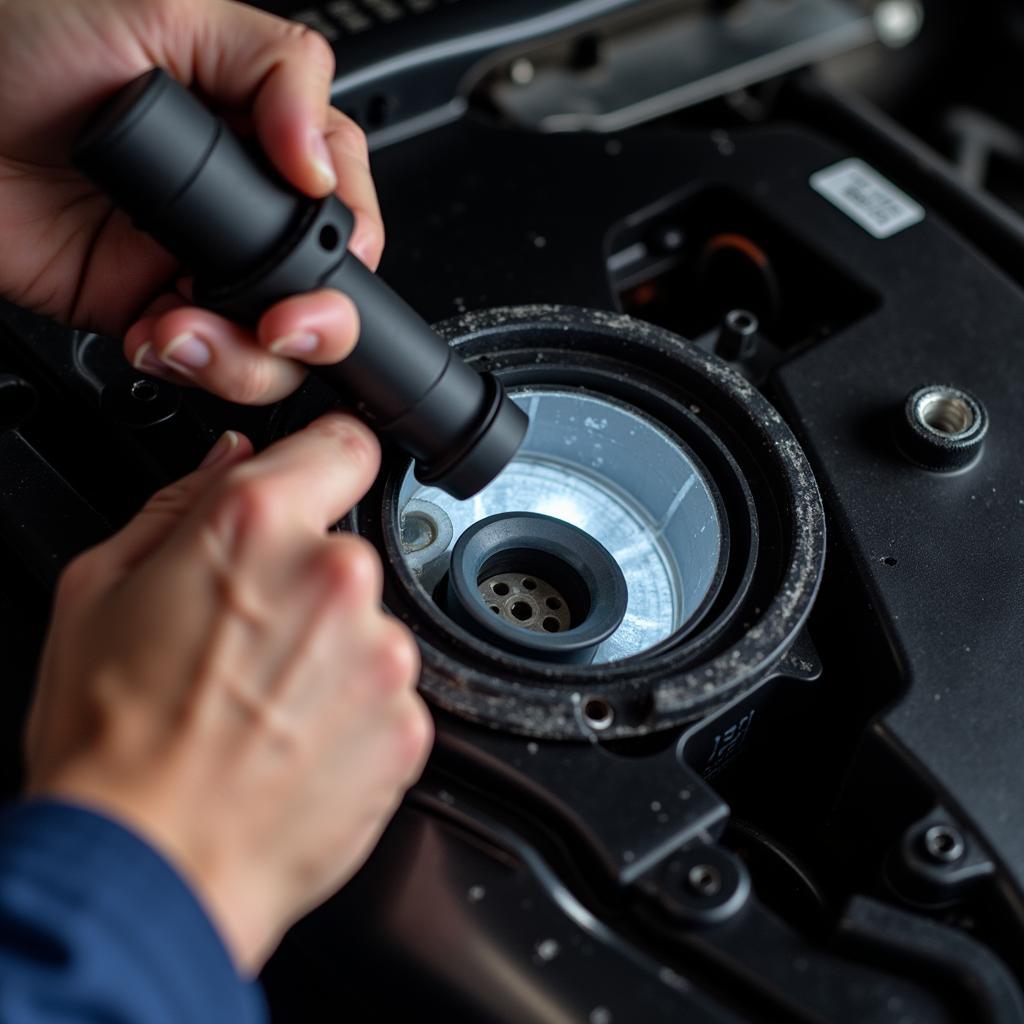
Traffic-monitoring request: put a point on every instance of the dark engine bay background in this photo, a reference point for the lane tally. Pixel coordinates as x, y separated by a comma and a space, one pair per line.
835, 834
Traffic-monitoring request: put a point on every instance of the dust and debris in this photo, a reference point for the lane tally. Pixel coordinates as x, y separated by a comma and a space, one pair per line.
541, 705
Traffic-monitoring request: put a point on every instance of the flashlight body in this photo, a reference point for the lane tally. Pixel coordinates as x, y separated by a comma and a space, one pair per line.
252, 240
402, 377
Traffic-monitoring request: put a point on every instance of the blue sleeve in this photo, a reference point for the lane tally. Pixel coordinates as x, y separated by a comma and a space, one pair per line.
97, 928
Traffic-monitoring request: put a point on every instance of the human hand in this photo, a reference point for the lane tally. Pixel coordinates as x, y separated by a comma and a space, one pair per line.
70, 255
220, 677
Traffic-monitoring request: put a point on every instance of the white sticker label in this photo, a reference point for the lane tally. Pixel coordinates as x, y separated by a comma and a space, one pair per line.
876, 204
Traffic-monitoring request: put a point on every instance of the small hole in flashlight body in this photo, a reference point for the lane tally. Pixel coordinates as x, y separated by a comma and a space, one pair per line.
329, 238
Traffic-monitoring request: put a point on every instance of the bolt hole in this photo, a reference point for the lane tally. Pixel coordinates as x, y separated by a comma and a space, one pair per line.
494, 608
553, 603
145, 391
943, 844
598, 713
418, 531
529, 584
329, 238
704, 879
522, 611
742, 321
945, 413
889, 560
501, 589
550, 624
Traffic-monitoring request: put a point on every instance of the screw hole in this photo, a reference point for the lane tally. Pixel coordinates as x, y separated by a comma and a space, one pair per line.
329, 238
494, 608
145, 391
704, 879
945, 413
550, 624
529, 584
522, 611
943, 844
553, 603
742, 321
598, 713
889, 560
501, 589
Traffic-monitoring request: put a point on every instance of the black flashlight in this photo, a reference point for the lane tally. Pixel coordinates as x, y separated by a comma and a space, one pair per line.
252, 240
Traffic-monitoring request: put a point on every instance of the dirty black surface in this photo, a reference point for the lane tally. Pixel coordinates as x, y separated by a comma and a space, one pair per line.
541, 880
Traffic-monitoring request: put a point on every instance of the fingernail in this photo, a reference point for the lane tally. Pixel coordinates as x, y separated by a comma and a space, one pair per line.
226, 443
298, 344
320, 158
145, 361
186, 353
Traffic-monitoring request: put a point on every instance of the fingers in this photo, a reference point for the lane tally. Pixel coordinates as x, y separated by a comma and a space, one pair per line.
351, 158
247, 59
283, 71
290, 111
193, 346
305, 482
319, 328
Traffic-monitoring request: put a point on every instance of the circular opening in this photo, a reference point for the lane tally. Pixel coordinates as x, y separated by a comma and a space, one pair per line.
329, 238
943, 843
704, 879
742, 321
506, 592
418, 531
609, 470
598, 713
945, 413
145, 391
501, 574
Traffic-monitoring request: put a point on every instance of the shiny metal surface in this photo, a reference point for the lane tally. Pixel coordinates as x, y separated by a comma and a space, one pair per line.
607, 469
